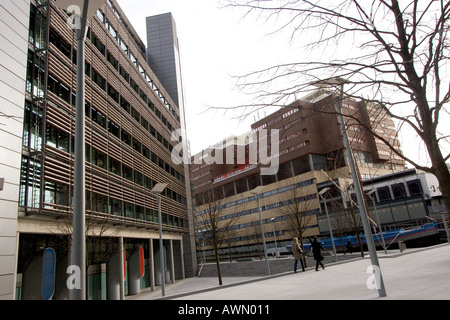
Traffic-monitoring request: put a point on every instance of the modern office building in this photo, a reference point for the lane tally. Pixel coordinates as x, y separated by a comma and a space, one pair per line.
129, 117
305, 139
163, 54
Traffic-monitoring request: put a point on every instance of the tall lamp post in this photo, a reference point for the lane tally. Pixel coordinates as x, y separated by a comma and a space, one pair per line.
370, 195
256, 192
321, 193
81, 11
157, 190
339, 82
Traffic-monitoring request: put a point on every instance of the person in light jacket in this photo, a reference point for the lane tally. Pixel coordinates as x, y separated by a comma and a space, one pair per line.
298, 254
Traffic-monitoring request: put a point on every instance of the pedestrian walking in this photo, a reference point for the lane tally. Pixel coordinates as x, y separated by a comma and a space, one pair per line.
349, 246
298, 254
316, 248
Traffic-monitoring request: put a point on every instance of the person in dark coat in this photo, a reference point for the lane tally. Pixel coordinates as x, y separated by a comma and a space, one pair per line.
349, 246
316, 248
298, 254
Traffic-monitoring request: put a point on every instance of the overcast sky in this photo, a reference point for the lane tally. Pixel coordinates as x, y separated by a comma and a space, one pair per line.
217, 43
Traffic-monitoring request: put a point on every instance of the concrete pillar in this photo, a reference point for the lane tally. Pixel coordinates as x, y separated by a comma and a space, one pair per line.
135, 271
115, 274
172, 262
151, 264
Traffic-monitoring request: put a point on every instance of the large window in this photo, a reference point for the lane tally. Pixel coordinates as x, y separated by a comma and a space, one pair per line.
32, 127
398, 191
56, 193
301, 165
383, 194
415, 187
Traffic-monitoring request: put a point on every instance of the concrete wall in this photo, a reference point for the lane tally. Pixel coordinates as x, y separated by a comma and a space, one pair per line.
14, 23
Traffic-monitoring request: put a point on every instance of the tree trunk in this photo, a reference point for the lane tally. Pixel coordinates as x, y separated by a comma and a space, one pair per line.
219, 273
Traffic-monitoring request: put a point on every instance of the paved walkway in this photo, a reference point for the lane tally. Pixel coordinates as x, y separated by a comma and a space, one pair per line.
422, 274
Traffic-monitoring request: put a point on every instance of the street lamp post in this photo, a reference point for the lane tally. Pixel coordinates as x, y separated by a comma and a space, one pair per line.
370, 194
321, 193
256, 192
157, 190
358, 190
339, 82
81, 11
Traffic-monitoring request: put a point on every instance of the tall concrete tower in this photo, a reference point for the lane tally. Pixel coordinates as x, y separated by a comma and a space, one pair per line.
163, 54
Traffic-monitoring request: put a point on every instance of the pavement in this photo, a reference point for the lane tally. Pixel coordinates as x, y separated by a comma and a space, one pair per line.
414, 274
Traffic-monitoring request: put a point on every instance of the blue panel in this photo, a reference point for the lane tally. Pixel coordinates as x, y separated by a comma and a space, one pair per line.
48, 274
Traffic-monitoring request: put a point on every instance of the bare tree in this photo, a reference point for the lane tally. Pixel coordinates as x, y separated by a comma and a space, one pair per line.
353, 220
398, 61
215, 228
298, 208
255, 237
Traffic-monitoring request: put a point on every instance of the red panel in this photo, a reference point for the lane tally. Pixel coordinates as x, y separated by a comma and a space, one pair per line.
141, 261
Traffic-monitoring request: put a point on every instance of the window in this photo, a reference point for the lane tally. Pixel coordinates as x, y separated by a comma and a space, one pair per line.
284, 171
60, 44
143, 95
301, 165
113, 93
56, 194
152, 131
383, 194
51, 137
135, 114
414, 187
114, 166
124, 74
148, 183
99, 80
398, 191
133, 59
98, 118
125, 105
129, 210
127, 172
35, 75
124, 47
144, 123
137, 145
126, 137
134, 86
111, 30
268, 179
98, 158
63, 141
100, 46
115, 207
113, 129
138, 178
140, 213
99, 203
150, 215
52, 84
112, 60
101, 16
32, 129
38, 24
241, 185
146, 152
